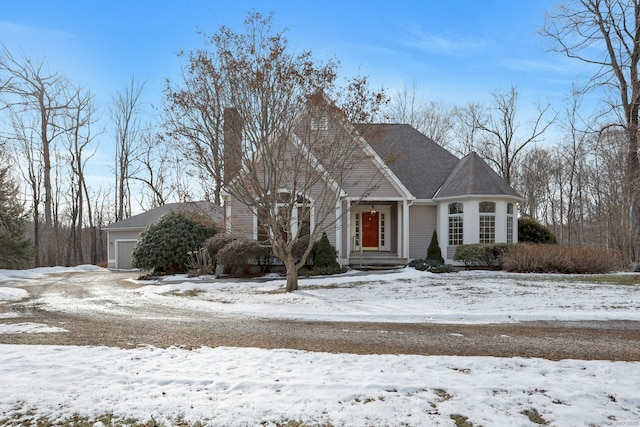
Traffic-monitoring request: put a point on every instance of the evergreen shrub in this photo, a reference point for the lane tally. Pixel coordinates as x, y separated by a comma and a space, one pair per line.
531, 231
482, 254
324, 257
434, 252
431, 265
164, 247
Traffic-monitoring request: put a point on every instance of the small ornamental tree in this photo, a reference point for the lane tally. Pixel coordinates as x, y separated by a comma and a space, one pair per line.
434, 252
531, 231
164, 246
325, 256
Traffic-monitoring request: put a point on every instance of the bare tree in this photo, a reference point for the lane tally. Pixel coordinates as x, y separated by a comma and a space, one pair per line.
433, 119
574, 152
502, 142
77, 142
534, 184
194, 118
28, 158
153, 164
125, 112
466, 128
285, 136
30, 91
606, 34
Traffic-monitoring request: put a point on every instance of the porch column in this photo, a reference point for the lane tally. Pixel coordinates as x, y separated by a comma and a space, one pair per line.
339, 231
348, 226
405, 229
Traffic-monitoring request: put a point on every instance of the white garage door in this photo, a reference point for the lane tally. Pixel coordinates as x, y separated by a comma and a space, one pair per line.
124, 252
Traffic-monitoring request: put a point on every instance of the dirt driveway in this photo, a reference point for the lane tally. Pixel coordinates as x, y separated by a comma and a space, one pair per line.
125, 323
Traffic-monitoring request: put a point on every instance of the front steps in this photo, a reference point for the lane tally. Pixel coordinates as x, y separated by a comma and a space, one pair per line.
374, 260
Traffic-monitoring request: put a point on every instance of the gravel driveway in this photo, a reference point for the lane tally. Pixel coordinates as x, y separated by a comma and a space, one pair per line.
145, 323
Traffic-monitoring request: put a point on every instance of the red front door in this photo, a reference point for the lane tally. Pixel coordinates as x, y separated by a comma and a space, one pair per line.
370, 230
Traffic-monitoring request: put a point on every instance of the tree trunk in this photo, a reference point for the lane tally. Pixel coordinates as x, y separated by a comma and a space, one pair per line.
633, 177
292, 274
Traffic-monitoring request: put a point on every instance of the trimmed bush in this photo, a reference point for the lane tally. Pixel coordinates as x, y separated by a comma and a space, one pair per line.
164, 246
434, 252
240, 254
531, 231
482, 255
532, 258
217, 242
431, 265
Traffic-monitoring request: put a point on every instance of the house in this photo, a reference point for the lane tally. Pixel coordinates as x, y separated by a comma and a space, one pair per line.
420, 188
122, 236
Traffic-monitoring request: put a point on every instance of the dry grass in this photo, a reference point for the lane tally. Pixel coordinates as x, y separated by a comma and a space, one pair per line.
529, 258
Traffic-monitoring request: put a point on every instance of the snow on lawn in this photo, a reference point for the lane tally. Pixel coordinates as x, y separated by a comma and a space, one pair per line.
405, 295
409, 295
28, 328
40, 272
238, 386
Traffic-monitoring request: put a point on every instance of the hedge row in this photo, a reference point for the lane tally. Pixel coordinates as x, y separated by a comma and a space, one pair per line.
244, 257
530, 258
539, 258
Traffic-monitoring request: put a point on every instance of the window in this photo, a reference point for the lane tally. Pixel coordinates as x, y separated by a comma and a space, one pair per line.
456, 225
262, 234
319, 120
509, 222
487, 222
301, 222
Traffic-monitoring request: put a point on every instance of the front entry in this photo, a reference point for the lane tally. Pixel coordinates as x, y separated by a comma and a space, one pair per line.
370, 231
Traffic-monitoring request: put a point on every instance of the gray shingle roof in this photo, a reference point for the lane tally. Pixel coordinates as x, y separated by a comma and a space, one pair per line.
473, 176
145, 219
418, 162
426, 168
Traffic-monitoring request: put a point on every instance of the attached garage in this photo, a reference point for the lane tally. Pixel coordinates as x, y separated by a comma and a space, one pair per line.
124, 251
122, 236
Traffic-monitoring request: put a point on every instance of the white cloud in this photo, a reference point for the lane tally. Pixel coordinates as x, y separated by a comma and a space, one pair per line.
445, 45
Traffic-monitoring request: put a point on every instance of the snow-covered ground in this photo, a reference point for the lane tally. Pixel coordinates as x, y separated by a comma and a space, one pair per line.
239, 386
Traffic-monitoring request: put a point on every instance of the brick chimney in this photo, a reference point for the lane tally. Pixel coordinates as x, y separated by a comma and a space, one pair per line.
232, 134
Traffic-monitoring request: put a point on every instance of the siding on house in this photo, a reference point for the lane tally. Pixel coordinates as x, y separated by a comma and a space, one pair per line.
422, 223
242, 222
116, 235
239, 220
367, 178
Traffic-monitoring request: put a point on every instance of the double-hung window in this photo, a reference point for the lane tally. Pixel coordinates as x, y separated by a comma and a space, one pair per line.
487, 212
456, 223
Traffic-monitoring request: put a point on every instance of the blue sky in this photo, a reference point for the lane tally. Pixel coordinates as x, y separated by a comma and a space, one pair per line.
455, 51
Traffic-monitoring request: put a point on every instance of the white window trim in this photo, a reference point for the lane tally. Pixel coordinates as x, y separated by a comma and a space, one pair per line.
455, 215
293, 227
